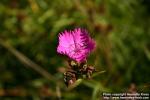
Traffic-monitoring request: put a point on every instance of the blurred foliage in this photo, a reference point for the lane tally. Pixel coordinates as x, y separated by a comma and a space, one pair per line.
31, 68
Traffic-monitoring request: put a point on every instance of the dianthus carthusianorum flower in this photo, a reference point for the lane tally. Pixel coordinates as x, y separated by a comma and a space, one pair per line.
76, 44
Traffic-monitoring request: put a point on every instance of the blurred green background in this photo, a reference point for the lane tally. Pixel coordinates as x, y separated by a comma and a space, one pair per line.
31, 69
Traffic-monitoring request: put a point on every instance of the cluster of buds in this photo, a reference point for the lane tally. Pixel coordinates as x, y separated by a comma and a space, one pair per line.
77, 70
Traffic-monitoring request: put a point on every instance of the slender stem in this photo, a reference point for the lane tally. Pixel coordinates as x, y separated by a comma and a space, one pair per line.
26, 61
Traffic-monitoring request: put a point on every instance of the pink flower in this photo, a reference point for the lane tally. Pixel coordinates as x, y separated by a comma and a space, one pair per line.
76, 44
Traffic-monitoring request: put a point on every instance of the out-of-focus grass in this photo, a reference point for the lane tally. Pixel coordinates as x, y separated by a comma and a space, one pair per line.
33, 67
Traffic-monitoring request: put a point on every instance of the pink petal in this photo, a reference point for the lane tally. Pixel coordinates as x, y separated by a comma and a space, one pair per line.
76, 44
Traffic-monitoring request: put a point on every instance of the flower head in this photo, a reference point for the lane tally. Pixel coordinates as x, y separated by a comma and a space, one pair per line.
76, 44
